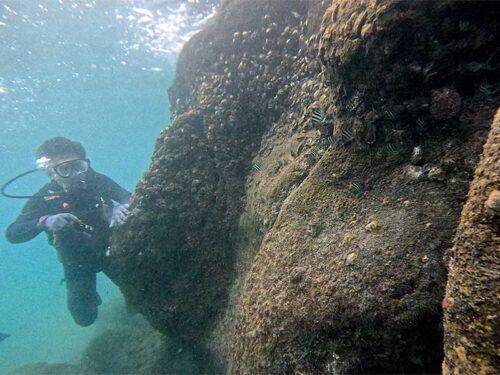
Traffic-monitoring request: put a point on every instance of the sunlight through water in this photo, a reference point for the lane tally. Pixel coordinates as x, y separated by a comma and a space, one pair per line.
96, 72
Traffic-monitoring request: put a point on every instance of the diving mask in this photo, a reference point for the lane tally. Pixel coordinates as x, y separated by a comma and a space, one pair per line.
72, 168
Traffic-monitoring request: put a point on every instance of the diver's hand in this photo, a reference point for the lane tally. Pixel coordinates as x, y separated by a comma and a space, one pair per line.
54, 223
120, 214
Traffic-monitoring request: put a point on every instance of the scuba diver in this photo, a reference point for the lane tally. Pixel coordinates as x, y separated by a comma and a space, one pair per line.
76, 210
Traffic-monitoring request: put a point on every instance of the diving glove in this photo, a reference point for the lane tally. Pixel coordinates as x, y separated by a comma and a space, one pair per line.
120, 214
54, 223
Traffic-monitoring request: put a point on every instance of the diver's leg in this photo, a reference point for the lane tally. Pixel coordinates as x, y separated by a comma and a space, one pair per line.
76, 252
82, 297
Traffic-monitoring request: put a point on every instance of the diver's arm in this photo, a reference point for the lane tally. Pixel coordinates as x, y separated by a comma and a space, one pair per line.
22, 230
120, 195
113, 190
26, 226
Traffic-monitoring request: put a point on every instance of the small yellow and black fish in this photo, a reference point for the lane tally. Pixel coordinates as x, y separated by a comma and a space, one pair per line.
389, 149
330, 140
389, 114
420, 123
356, 188
346, 136
256, 167
486, 92
314, 153
317, 117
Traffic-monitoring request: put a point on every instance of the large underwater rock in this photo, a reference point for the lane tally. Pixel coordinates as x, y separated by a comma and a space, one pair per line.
472, 302
175, 260
125, 351
262, 240
124, 343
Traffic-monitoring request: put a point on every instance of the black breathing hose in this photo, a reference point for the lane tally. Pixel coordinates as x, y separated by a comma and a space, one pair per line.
4, 186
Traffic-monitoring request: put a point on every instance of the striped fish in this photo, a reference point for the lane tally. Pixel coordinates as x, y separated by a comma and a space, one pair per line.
486, 92
330, 140
356, 188
389, 114
256, 167
314, 153
317, 117
346, 136
420, 124
389, 148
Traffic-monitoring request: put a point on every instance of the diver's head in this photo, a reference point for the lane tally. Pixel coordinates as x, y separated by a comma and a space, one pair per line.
64, 161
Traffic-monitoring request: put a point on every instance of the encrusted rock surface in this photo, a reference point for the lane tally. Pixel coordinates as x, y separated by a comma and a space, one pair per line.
125, 343
175, 259
286, 223
125, 350
472, 301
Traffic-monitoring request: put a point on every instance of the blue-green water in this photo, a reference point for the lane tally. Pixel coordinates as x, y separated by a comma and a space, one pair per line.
93, 72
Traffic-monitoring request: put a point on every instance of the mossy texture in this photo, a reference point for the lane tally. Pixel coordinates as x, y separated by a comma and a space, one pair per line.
349, 277
472, 301
295, 213
175, 257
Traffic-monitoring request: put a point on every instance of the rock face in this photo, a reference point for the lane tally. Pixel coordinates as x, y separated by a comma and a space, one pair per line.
125, 343
295, 213
175, 260
125, 351
471, 305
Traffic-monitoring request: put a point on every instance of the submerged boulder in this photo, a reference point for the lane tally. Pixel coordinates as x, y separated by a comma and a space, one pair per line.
350, 275
295, 214
125, 351
175, 257
472, 303
124, 343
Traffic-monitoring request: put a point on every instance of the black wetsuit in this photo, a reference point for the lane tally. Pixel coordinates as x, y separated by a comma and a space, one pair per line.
81, 247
